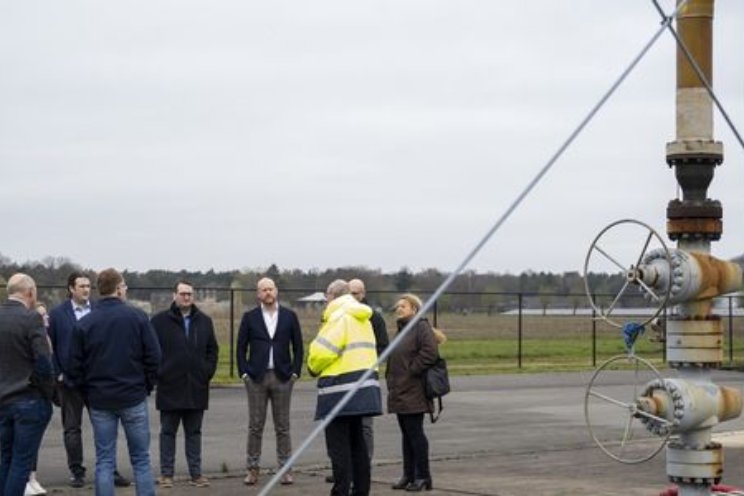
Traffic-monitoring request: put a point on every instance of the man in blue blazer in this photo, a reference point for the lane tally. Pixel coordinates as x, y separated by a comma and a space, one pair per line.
62, 320
270, 355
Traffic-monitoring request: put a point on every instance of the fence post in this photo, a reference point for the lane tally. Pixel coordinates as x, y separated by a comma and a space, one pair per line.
232, 332
519, 332
594, 334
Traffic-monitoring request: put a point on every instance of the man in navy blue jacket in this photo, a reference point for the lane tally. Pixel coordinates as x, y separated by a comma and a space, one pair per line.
62, 320
271, 338
114, 360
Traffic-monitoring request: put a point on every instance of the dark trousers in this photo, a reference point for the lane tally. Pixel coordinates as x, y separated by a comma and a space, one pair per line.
349, 458
368, 427
22, 425
415, 446
72, 404
192, 423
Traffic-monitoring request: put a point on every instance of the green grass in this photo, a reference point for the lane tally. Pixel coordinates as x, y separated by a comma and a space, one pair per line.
481, 356
483, 344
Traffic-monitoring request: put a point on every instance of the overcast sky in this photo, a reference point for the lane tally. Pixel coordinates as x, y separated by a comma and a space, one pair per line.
234, 134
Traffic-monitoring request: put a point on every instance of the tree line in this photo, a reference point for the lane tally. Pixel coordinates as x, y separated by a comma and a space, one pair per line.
488, 291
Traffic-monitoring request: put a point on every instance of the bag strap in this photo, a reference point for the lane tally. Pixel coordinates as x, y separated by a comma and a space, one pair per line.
431, 414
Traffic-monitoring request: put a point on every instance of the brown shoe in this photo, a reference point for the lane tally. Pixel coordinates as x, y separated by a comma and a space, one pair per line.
287, 479
165, 482
251, 477
199, 481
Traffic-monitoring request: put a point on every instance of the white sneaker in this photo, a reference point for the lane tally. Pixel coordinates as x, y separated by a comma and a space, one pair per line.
33, 488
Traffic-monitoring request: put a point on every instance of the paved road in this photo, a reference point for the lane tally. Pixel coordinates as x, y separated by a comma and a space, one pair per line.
499, 435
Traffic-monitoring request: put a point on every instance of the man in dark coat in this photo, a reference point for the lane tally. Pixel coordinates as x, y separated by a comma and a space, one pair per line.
26, 381
269, 361
190, 353
359, 292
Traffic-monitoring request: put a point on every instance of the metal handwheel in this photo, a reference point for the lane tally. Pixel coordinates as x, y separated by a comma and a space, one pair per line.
632, 273
642, 435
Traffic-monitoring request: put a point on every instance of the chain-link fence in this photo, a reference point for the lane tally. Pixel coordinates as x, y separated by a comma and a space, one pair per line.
487, 332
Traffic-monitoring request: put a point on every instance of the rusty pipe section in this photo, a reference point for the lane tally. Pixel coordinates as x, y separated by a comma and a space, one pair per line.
689, 405
694, 105
694, 275
690, 408
694, 220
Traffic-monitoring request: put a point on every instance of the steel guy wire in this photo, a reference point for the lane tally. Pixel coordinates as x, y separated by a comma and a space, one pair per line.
448, 281
700, 74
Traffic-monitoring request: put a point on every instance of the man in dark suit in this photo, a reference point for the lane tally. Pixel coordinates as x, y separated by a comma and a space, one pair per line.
26, 382
62, 320
271, 339
359, 292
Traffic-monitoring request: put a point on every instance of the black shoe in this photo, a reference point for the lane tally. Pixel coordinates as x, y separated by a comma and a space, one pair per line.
329, 479
77, 481
402, 483
419, 485
120, 480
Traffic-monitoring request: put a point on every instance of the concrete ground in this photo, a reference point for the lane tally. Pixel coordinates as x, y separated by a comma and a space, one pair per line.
499, 435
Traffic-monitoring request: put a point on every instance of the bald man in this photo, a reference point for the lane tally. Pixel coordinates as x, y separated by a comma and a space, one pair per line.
358, 291
270, 355
26, 384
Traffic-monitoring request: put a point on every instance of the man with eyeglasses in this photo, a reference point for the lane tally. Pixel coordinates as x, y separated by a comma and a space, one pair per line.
114, 360
190, 352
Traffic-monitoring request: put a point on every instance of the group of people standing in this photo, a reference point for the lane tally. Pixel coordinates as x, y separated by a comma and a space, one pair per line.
347, 346
107, 356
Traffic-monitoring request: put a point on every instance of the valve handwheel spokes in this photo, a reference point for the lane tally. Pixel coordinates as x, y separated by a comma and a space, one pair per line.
632, 272
630, 442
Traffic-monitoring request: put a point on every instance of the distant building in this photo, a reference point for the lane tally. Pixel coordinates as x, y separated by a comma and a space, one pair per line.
316, 299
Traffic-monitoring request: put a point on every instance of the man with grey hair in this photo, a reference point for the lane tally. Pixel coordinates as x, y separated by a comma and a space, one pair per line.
341, 353
26, 384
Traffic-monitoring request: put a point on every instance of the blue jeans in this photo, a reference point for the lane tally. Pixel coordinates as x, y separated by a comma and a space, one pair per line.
22, 425
136, 425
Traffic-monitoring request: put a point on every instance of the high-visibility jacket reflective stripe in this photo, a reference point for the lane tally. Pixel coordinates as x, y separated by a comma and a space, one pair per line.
343, 350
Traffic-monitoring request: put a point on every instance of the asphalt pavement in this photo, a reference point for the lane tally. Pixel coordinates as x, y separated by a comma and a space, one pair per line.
503, 435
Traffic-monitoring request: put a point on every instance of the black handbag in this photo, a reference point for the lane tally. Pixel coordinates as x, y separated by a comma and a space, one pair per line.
436, 384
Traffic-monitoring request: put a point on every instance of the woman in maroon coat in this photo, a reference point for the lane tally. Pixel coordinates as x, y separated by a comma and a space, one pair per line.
405, 369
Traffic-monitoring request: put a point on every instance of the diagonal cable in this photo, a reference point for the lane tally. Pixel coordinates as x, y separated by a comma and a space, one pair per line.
699, 73
448, 281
